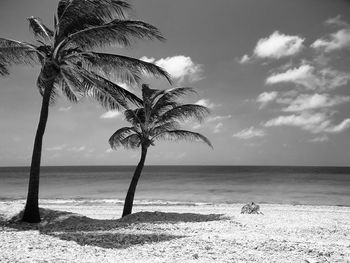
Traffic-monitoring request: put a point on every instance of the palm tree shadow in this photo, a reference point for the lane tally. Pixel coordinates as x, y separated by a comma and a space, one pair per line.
112, 233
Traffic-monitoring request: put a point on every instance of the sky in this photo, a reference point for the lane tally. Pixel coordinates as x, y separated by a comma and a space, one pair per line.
274, 73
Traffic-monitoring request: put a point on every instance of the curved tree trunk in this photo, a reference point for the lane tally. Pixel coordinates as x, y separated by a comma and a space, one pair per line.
129, 199
31, 211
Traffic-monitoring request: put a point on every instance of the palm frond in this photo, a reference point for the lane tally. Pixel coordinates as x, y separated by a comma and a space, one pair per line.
14, 52
133, 141
125, 68
120, 135
76, 15
167, 126
39, 29
176, 135
68, 85
135, 117
166, 99
117, 32
184, 112
107, 93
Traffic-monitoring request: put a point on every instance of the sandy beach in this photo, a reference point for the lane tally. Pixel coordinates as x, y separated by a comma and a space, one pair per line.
91, 231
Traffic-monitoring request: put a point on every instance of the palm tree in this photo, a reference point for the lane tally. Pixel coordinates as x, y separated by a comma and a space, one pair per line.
158, 118
70, 67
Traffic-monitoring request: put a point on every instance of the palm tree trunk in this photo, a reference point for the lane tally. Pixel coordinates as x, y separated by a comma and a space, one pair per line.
129, 199
31, 211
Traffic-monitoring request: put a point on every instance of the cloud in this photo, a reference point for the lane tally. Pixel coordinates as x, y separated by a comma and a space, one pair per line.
65, 108
249, 133
278, 45
313, 101
146, 59
206, 103
218, 117
179, 67
109, 150
218, 127
77, 149
321, 138
266, 97
336, 41
110, 114
57, 147
314, 123
336, 21
308, 77
245, 59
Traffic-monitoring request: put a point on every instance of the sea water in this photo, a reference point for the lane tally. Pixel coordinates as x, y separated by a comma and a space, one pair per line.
205, 184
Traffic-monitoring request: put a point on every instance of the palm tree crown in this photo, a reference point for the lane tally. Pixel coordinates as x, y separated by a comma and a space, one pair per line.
159, 118
69, 65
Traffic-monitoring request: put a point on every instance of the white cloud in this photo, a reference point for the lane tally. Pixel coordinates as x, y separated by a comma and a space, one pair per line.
196, 126
109, 150
322, 138
219, 117
206, 103
278, 45
57, 147
244, 59
336, 21
110, 114
314, 123
302, 75
179, 67
344, 125
249, 133
180, 156
218, 127
76, 149
307, 76
314, 101
335, 41
146, 59
266, 97
64, 108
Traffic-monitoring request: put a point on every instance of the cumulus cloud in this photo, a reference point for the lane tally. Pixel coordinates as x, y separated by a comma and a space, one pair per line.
147, 59
308, 77
218, 127
110, 114
266, 97
179, 67
314, 123
313, 101
337, 21
336, 41
57, 147
206, 103
65, 108
76, 149
218, 118
322, 138
245, 59
249, 133
278, 45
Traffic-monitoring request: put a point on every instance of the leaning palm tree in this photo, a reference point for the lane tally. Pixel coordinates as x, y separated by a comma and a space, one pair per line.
158, 118
70, 66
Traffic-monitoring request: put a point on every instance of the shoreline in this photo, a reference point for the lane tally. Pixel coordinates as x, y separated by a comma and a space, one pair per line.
160, 202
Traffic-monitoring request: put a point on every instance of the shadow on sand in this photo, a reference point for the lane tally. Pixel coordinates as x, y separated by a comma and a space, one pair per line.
106, 233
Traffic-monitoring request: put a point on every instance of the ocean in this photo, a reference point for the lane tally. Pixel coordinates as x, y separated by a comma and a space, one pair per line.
187, 184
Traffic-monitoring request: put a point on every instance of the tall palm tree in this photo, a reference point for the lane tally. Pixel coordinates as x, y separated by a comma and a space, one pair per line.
70, 67
158, 118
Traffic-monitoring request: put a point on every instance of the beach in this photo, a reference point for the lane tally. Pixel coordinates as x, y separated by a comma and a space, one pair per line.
92, 231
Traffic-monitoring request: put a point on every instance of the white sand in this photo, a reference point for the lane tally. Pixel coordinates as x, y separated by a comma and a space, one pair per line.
284, 233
